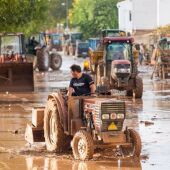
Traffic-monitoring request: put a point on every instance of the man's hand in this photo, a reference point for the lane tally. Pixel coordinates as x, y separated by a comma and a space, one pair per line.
70, 91
92, 88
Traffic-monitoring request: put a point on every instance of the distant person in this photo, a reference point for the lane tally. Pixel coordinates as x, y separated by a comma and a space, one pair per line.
81, 84
32, 44
141, 54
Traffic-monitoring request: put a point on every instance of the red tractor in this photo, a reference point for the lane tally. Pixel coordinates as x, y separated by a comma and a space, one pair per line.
113, 67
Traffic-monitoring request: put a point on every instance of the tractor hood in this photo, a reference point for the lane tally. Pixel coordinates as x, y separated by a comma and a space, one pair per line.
121, 62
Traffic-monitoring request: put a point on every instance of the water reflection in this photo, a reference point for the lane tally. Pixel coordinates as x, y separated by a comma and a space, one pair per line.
36, 163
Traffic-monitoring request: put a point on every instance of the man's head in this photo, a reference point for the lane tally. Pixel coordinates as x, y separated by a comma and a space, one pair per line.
75, 71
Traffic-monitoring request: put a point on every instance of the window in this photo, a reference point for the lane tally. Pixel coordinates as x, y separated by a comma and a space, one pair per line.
130, 15
10, 43
118, 51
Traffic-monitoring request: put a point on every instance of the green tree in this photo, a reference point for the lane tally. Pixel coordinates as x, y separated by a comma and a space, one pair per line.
18, 15
91, 16
30, 16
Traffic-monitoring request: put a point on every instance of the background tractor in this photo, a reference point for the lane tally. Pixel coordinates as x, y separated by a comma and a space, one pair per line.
113, 33
46, 52
16, 73
70, 40
113, 66
56, 41
82, 49
87, 122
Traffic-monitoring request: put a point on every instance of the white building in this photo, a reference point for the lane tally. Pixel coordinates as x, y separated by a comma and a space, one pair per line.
143, 14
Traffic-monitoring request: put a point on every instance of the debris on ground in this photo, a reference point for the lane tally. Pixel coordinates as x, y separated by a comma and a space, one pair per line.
147, 123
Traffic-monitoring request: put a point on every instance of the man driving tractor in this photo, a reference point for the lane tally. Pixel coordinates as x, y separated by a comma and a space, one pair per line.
81, 84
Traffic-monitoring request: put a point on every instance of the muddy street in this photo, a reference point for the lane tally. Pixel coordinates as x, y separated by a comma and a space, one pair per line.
150, 116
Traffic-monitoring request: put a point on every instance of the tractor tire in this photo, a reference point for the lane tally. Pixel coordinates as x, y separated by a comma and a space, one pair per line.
56, 61
135, 149
138, 91
82, 146
53, 130
42, 59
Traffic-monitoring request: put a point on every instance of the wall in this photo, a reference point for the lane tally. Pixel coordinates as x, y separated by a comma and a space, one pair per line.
164, 12
144, 14
124, 9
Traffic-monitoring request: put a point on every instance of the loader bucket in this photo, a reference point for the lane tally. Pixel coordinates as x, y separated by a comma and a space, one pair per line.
16, 77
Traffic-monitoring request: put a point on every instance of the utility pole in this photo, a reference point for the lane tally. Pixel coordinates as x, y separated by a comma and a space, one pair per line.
67, 19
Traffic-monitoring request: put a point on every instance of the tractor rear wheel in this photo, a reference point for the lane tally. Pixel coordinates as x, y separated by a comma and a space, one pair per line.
136, 144
42, 59
138, 91
53, 130
82, 146
56, 61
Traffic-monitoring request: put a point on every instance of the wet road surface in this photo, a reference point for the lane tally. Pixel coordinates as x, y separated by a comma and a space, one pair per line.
150, 116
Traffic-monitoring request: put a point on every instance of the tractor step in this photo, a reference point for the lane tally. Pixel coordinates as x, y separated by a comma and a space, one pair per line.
35, 130
34, 134
38, 116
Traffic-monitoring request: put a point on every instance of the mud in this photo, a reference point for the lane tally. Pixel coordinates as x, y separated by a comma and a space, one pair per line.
152, 110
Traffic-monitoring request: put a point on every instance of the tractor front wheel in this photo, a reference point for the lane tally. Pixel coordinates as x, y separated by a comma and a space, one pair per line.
42, 59
56, 61
138, 91
136, 144
82, 146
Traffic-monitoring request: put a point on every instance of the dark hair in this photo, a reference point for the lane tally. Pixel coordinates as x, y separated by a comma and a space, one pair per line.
76, 68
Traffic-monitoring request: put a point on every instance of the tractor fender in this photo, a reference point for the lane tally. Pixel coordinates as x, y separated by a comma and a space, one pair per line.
62, 108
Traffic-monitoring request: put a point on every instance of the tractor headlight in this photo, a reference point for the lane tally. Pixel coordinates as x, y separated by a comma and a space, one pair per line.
113, 116
120, 116
105, 116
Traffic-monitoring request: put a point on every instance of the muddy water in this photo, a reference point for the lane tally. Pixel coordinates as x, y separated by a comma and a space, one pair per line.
150, 116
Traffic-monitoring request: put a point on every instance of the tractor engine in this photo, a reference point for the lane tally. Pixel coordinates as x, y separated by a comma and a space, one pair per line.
107, 114
120, 73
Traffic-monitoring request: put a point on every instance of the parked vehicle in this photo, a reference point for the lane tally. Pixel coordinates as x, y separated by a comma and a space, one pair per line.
82, 49
93, 43
70, 41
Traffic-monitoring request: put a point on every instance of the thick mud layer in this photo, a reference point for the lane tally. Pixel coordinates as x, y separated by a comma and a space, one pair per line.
150, 116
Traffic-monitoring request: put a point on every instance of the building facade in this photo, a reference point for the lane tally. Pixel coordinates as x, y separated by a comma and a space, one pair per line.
143, 14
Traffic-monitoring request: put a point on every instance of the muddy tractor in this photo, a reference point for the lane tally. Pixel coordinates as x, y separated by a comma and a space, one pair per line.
85, 122
16, 74
161, 59
114, 68
47, 55
56, 40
